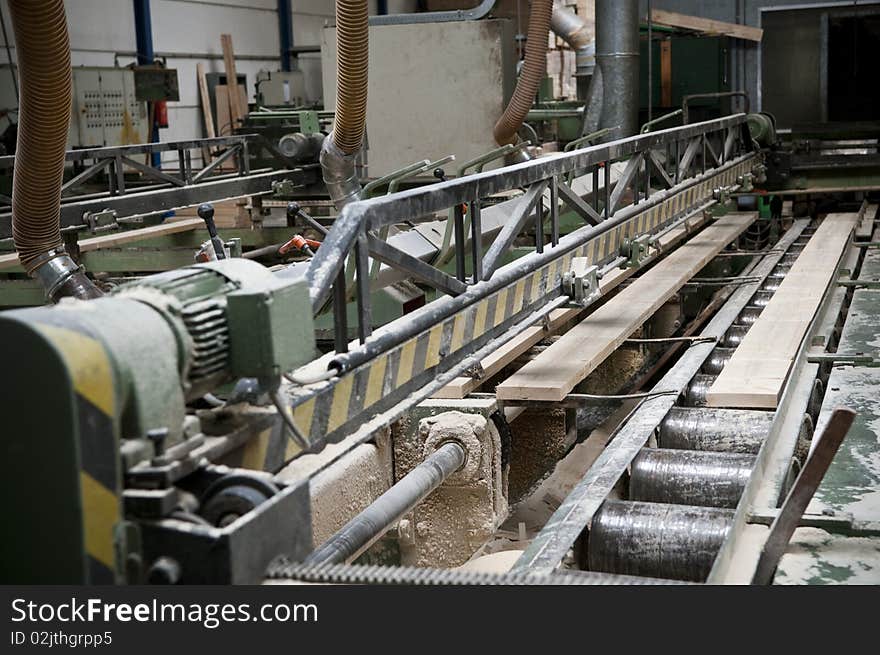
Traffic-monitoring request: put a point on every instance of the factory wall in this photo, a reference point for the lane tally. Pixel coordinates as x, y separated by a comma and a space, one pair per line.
186, 32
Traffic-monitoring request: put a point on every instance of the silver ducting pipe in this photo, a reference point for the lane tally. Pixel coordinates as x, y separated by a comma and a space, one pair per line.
614, 90
340, 174
572, 29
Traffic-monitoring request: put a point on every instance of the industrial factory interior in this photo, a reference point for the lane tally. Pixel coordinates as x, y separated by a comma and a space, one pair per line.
440, 292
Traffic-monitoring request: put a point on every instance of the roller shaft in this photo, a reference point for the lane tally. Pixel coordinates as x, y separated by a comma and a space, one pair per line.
695, 394
761, 298
734, 335
749, 315
717, 360
717, 430
364, 529
657, 540
689, 477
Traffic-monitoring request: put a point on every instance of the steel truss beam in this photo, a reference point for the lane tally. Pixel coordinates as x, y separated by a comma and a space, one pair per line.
373, 214
396, 363
162, 191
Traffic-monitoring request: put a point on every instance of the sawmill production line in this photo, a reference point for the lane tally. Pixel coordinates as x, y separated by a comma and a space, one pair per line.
195, 425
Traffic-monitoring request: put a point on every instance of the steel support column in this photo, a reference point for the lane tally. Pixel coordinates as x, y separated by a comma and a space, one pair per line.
285, 33
143, 29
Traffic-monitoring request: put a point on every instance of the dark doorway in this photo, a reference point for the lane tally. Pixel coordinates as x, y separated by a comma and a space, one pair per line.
853, 73
819, 64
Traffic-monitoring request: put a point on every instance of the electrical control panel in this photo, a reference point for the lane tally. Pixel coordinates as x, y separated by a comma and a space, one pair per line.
106, 111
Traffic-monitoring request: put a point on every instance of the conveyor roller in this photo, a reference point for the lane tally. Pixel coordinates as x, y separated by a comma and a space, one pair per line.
761, 298
656, 539
749, 315
717, 430
689, 477
734, 335
716, 360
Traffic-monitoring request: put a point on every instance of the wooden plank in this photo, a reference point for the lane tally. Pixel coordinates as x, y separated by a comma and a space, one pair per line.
129, 236
227, 213
706, 25
461, 387
236, 110
205, 97
112, 240
666, 73
224, 118
555, 372
756, 373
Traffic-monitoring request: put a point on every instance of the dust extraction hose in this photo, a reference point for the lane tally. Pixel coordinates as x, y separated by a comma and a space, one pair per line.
351, 76
533, 70
352, 53
43, 48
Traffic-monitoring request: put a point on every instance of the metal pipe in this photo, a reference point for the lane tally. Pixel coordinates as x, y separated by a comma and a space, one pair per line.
650, 66
143, 27
572, 29
617, 61
364, 529
285, 33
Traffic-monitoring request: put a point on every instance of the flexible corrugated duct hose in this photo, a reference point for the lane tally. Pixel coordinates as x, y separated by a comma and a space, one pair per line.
43, 53
340, 149
533, 69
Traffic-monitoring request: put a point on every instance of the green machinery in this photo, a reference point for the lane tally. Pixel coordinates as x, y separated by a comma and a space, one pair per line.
114, 381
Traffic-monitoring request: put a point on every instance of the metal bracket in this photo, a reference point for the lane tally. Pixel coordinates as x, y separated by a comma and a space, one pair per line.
635, 250
101, 221
721, 194
284, 188
745, 183
838, 359
860, 284
581, 283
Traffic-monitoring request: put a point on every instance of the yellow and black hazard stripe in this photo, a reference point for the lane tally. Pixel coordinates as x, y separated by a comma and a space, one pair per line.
329, 412
91, 373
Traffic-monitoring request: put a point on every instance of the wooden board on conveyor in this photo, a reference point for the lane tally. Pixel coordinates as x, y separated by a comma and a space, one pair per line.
554, 373
756, 373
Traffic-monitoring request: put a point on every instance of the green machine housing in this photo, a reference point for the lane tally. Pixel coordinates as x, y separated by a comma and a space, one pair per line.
101, 386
